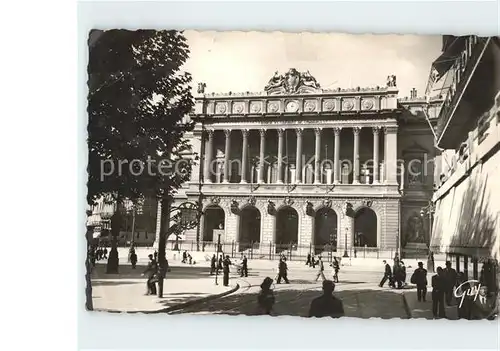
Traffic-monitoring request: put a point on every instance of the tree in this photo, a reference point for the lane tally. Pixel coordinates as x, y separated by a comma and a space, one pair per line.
137, 102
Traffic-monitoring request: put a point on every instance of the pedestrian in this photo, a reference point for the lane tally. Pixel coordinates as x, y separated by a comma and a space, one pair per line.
321, 269
282, 271
450, 278
133, 258
387, 274
152, 274
438, 292
190, 258
105, 253
419, 277
225, 271
213, 264
184, 257
308, 261
219, 264
244, 267
400, 274
336, 268
327, 305
155, 255
265, 299
313, 261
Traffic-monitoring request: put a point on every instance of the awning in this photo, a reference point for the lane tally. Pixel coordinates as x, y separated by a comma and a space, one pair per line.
467, 218
451, 51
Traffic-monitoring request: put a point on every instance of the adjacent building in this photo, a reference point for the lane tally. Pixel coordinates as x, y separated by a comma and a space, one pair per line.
467, 202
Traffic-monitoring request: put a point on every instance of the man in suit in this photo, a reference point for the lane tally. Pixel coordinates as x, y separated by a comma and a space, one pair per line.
387, 274
419, 277
327, 305
244, 267
450, 278
282, 271
438, 291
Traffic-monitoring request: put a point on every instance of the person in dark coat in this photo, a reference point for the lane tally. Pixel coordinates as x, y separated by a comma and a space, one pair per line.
450, 278
133, 258
282, 271
419, 277
327, 305
184, 257
265, 299
244, 267
336, 268
151, 271
225, 271
213, 264
105, 254
308, 261
219, 264
387, 274
438, 292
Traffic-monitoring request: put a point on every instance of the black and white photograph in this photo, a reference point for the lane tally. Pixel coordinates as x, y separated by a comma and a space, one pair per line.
293, 174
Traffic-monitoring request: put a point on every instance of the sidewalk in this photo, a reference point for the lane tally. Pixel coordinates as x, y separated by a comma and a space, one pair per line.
128, 295
424, 309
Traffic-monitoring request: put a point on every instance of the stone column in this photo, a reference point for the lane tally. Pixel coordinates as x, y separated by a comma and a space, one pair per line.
207, 176
317, 155
298, 157
244, 156
391, 166
280, 155
227, 151
376, 131
261, 156
336, 162
355, 178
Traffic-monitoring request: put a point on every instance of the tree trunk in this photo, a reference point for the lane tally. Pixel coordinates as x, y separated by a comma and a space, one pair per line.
89, 306
162, 259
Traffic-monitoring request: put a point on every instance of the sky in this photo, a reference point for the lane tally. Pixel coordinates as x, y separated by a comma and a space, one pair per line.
245, 61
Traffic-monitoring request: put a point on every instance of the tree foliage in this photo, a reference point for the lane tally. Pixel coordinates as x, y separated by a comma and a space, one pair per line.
137, 101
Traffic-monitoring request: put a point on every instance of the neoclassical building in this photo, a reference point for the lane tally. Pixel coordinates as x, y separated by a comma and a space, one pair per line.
296, 166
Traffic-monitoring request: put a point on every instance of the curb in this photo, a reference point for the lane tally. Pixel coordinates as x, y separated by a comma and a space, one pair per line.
406, 306
179, 306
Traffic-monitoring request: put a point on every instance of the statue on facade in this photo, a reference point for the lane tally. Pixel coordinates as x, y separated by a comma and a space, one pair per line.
201, 88
276, 81
415, 232
391, 81
309, 80
292, 80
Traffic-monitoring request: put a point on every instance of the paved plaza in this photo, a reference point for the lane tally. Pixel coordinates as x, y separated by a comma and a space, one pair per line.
358, 289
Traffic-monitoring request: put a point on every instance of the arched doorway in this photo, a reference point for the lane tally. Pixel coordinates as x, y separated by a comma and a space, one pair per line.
325, 230
214, 219
249, 227
287, 229
365, 228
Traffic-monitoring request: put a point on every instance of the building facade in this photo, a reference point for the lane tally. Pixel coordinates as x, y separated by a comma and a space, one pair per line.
297, 166
467, 205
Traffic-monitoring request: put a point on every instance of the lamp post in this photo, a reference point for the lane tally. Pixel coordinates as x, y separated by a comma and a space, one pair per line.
217, 256
429, 212
345, 243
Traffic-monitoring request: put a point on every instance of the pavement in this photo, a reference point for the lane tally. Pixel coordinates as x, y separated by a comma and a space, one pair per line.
358, 289
126, 292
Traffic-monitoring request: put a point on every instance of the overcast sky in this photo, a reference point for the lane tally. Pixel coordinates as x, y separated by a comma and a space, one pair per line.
245, 61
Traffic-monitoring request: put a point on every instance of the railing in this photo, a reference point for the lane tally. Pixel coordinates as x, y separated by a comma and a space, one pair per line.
292, 251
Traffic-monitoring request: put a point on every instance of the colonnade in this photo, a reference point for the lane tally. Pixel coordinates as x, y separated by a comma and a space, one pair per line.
384, 173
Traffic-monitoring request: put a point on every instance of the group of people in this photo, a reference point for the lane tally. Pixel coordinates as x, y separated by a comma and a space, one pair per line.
325, 305
395, 275
223, 264
186, 257
312, 262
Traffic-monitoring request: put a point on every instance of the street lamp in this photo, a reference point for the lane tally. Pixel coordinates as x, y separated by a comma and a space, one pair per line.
429, 211
217, 257
345, 243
